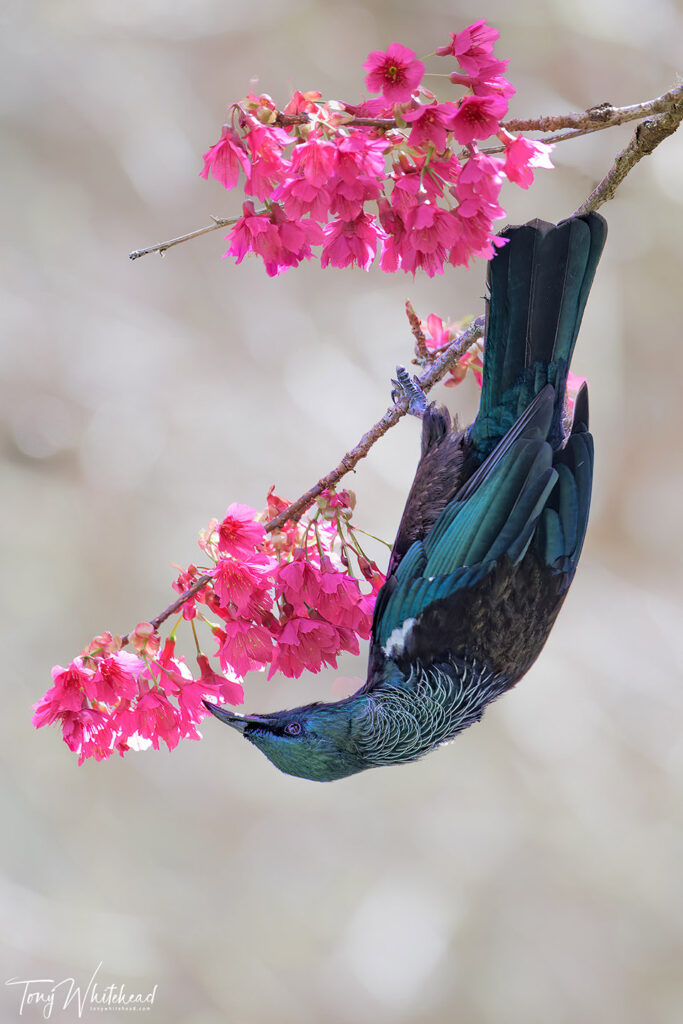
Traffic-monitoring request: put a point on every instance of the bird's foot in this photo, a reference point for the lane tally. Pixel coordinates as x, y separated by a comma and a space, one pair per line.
410, 388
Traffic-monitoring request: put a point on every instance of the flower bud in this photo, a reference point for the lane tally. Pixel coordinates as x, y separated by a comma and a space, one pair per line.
145, 639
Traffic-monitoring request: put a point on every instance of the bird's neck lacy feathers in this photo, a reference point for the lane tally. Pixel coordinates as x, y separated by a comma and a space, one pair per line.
401, 723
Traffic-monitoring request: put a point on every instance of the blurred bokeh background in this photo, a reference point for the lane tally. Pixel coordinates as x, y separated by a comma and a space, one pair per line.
531, 872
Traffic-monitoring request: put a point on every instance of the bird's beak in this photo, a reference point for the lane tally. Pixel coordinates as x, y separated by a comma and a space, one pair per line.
239, 722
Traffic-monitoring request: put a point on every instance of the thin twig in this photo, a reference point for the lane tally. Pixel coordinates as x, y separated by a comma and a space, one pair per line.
345, 121
646, 138
218, 222
418, 333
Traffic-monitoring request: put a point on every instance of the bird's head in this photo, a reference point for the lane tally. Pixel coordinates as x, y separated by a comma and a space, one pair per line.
312, 742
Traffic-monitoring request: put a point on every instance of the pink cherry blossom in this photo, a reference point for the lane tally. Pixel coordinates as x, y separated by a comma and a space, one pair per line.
145, 639
377, 107
396, 73
480, 179
295, 238
247, 231
280, 242
336, 168
153, 718
246, 646
360, 154
473, 47
303, 102
72, 687
438, 335
242, 585
222, 686
116, 677
342, 603
414, 186
471, 360
348, 638
521, 156
477, 117
483, 85
183, 582
170, 673
393, 238
300, 199
239, 533
299, 582
225, 159
430, 232
103, 643
268, 166
348, 197
315, 160
332, 498
349, 242
305, 644
430, 124
477, 238
89, 733
46, 711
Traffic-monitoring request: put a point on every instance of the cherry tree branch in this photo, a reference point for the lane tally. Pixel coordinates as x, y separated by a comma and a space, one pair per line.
604, 115
438, 369
647, 136
218, 222
594, 119
429, 378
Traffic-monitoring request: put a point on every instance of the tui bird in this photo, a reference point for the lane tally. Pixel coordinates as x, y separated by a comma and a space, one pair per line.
490, 536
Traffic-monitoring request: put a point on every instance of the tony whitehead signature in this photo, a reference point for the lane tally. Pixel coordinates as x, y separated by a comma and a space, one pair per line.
46, 993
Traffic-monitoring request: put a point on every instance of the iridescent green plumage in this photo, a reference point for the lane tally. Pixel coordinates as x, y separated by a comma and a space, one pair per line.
490, 537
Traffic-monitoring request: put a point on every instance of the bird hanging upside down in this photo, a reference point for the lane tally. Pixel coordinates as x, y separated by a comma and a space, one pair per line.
490, 536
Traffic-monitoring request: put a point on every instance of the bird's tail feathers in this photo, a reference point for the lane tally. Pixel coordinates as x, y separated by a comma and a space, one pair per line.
539, 284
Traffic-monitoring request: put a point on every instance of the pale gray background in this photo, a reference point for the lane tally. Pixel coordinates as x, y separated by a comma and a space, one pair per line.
531, 872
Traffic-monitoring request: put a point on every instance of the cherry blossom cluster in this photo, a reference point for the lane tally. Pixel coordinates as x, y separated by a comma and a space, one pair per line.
286, 599
401, 176
108, 699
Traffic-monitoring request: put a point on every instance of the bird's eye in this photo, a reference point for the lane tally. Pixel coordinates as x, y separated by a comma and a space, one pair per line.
293, 729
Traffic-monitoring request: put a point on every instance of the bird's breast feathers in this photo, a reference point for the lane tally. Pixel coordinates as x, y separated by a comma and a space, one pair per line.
400, 723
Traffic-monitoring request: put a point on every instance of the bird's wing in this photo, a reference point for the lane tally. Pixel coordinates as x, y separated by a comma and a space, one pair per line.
492, 555
436, 481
